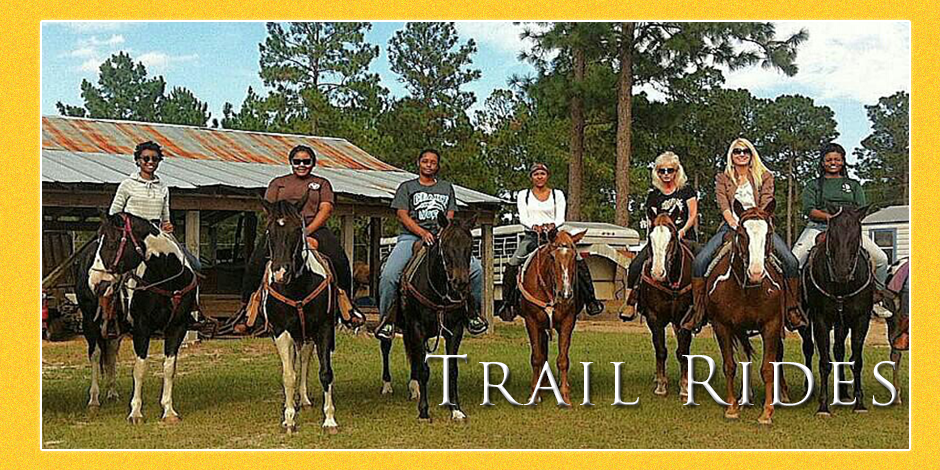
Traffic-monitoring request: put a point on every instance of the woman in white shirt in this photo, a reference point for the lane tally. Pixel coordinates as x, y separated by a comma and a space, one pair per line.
541, 209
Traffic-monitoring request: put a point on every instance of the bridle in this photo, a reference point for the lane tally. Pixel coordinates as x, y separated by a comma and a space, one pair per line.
768, 246
548, 306
673, 288
838, 299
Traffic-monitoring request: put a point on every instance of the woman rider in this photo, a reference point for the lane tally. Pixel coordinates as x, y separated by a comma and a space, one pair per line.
315, 212
670, 195
749, 182
541, 209
830, 190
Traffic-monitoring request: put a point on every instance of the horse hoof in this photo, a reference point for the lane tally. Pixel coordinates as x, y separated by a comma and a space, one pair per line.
823, 414
684, 396
171, 419
306, 405
458, 416
289, 429
765, 421
113, 395
135, 420
415, 390
425, 420
732, 414
860, 410
331, 430
386, 388
660, 391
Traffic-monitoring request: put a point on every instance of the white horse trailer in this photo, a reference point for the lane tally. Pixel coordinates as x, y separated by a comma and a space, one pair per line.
607, 248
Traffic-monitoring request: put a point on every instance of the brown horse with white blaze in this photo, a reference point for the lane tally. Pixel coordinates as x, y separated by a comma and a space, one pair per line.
744, 294
549, 301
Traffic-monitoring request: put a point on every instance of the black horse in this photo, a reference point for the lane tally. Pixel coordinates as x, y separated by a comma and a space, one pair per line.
434, 303
158, 288
839, 286
298, 305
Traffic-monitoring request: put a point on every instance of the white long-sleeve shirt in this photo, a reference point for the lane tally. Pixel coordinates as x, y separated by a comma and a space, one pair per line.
534, 212
147, 199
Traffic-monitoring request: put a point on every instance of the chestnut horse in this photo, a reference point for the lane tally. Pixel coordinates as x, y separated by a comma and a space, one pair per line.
548, 286
743, 295
665, 295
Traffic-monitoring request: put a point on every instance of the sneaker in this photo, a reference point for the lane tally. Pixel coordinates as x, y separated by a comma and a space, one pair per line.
386, 331
628, 313
477, 326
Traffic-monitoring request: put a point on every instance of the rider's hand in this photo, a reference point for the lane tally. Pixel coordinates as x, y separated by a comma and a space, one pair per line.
682, 233
549, 227
428, 237
537, 228
313, 243
167, 226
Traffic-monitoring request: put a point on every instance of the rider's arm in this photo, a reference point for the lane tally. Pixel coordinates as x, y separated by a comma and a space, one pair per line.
120, 199
561, 206
724, 198
693, 215
859, 194
410, 223
809, 204
324, 210
523, 210
165, 222
729, 218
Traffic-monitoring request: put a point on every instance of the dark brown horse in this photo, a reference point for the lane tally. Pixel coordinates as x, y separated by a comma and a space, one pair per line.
744, 295
548, 286
665, 295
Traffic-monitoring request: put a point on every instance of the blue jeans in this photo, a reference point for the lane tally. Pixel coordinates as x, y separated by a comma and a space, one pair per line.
395, 264
791, 267
808, 239
527, 244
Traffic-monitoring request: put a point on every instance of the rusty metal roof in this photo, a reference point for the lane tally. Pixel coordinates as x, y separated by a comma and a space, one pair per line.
79, 150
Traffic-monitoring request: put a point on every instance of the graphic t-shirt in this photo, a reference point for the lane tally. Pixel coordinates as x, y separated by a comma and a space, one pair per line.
424, 203
676, 204
836, 192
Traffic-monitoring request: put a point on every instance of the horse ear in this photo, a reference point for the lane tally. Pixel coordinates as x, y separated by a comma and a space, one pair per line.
863, 211
651, 213
577, 238
268, 206
552, 234
442, 219
737, 208
471, 222
770, 206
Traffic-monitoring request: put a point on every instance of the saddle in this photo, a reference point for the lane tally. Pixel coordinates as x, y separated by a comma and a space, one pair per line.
725, 250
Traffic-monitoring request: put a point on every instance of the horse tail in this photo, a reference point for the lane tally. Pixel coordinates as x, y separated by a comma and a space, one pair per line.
740, 340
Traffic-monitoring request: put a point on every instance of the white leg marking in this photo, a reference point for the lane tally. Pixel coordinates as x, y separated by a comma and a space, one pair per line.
169, 372
140, 370
95, 360
414, 389
286, 349
306, 352
386, 388
457, 415
659, 240
329, 421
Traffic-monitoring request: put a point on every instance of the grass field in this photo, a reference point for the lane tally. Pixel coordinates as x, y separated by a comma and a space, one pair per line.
229, 394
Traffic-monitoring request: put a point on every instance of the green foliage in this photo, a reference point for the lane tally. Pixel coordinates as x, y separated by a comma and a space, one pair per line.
884, 158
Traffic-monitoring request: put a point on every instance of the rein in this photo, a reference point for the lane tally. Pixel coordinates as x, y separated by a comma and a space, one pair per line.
300, 304
839, 299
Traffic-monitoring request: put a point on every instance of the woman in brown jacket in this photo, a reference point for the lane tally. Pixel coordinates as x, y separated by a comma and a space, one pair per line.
748, 181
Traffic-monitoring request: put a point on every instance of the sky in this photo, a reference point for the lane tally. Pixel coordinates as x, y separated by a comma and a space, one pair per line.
844, 64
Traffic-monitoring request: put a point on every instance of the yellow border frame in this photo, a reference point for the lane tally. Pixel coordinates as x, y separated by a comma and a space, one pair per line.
20, 443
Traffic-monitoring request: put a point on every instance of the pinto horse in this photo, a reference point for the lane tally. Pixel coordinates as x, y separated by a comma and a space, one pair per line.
899, 322
160, 291
745, 295
435, 302
665, 295
299, 298
549, 301
839, 287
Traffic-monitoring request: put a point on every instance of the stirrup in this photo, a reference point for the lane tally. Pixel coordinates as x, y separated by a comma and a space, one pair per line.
385, 331
480, 328
624, 316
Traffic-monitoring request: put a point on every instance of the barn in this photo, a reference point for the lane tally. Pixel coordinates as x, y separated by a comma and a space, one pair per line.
890, 228
217, 178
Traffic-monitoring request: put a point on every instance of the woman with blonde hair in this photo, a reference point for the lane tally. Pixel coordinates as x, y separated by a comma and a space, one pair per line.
746, 180
672, 195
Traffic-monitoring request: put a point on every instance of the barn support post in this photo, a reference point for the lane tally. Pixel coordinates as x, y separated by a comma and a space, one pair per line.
349, 238
375, 243
192, 244
489, 275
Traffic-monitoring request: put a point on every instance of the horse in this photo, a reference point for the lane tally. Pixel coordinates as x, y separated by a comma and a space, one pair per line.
838, 285
160, 291
898, 323
434, 302
299, 298
744, 294
665, 295
549, 302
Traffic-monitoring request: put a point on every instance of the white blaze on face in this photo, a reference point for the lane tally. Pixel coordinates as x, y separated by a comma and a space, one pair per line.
757, 232
659, 241
565, 276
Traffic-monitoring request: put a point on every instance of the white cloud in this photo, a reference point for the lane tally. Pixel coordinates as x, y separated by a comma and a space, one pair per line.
856, 60
500, 35
94, 26
83, 52
162, 60
93, 41
90, 65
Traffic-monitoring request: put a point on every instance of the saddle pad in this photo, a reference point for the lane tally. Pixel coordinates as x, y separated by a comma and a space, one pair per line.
411, 268
316, 264
899, 278
528, 259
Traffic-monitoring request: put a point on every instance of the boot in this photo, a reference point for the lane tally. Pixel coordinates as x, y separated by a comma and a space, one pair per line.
794, 318
507, 311
695, 319
476, 324
629, 309
253, 307
349, 314
591, 304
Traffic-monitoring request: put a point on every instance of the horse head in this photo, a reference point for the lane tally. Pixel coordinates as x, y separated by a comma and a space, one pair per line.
451, 253
664, 244
286, 240
563, 252
844, 241
752, 240
121, 248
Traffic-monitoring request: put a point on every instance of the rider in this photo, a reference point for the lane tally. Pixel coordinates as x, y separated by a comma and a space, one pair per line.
541, 209
417, 203
749, 182
315, 212
832, 189
670, 195
143, 194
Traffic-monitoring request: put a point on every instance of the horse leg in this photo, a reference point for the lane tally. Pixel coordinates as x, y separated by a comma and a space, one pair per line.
538, 354
896, 379
386, 347
821, 335
141, 347
112, 346
659, 347
565, 329
286, 349
324, 355
771, 337
784, 388
859, 333
94, 360
453, 347
171, 346
838, 351
306, 354
723, 334
684, 339
806, 334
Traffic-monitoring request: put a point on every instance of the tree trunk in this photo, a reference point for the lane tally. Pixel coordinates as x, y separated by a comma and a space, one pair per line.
790, 200
577, 138
624, 125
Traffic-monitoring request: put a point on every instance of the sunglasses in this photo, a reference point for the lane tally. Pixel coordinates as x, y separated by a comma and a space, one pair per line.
666, 171
741, 152
302, 162
149, 159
